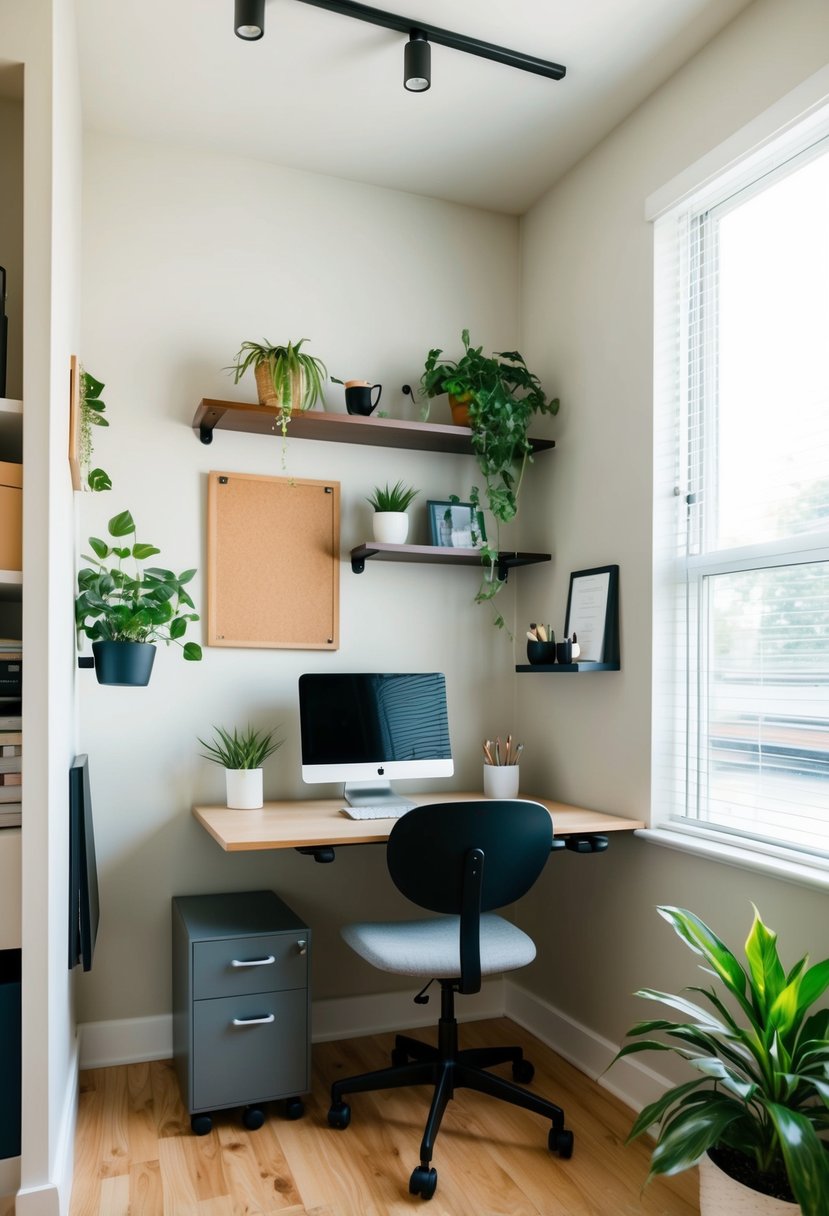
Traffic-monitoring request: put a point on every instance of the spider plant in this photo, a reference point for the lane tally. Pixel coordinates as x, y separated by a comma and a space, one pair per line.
245, 749
286, 376
395, 498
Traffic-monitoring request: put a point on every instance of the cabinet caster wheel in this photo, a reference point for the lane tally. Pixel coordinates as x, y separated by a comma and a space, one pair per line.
423, 1182
294, 1108
399, 1056
200, 1125
523, 1072
253, 1117
339, 1115
561, 1141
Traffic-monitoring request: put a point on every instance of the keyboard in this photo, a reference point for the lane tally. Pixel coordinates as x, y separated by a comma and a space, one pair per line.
388, 810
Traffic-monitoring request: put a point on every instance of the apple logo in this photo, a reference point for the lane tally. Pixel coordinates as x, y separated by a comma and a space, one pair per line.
380, 771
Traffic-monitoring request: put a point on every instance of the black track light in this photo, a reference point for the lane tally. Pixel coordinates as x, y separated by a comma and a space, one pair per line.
417, 63
249, 19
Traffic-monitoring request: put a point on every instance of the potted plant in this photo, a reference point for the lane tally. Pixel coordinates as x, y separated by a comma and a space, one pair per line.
242, 756
286, 376
391, 523
502, 396
91, 414
753, 1114
125, 611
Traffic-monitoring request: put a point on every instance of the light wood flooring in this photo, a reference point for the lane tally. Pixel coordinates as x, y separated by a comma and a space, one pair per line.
136, 1155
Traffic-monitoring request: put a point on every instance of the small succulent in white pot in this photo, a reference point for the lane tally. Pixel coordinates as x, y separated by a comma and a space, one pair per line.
390, 503
242, 756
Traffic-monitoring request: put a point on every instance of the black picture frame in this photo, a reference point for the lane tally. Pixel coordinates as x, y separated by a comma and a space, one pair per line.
460, 520
590, 596
84, 906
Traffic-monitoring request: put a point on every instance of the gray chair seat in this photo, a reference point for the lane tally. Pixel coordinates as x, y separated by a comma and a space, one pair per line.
430, 949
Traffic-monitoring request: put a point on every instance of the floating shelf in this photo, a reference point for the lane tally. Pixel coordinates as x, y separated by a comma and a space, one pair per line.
563, 668
437, 555
338, 428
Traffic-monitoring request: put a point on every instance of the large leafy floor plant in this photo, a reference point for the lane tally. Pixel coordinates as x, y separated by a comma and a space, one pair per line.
760, 1100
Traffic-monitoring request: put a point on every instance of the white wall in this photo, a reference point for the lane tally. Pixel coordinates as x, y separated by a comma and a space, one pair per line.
11, 238
586, 257
185, 255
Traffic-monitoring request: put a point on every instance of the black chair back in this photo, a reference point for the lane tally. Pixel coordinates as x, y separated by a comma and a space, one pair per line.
464, 858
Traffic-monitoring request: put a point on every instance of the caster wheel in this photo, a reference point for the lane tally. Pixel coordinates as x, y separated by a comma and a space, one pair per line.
253, 1117
294, 1108
561, 1141
423, 1182
398, 1056
523, 1072
200, 1125
339, 1115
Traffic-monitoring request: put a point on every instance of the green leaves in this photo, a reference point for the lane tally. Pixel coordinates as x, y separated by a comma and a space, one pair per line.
290, 368
91, 414
247, 749
133, 604
764, 1083
395, 498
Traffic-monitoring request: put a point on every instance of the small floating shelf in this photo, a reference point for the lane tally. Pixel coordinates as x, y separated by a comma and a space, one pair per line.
563, 668
379, 551
337, 428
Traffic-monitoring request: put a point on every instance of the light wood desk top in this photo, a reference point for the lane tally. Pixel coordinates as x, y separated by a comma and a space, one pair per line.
300, 824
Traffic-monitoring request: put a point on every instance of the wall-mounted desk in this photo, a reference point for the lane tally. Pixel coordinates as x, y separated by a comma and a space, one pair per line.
320, 825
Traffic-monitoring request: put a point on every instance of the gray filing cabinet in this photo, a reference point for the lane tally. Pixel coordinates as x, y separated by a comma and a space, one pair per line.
241, 1004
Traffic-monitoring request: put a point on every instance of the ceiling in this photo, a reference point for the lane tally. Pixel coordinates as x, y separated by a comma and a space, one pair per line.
324, 92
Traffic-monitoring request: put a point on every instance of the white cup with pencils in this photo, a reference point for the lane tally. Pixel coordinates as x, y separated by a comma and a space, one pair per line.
501, 771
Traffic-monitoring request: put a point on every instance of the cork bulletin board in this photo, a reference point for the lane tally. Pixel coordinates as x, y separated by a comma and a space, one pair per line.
273, 562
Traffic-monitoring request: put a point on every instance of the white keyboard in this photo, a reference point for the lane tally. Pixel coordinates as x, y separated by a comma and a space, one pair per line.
388, 810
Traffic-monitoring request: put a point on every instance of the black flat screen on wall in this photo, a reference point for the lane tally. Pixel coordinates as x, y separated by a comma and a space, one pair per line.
83, 872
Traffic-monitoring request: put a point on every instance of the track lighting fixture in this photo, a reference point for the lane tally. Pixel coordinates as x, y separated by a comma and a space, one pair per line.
417, 63
249, 19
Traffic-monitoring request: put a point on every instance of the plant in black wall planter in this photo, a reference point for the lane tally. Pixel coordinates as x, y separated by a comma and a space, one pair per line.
124, 608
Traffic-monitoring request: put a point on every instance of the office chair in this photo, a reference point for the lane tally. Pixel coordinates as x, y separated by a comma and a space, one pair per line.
461, 859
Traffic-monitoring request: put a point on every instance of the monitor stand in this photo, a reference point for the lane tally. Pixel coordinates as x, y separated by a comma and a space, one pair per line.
374, 793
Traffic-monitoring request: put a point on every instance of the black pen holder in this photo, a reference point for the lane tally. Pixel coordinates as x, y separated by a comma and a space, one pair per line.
540, 653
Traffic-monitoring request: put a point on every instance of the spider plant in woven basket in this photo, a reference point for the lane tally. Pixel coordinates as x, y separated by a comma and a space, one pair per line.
761, 1098
246, 749
286, 376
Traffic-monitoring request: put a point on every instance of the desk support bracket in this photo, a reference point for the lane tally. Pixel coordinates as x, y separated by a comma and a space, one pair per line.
322, 853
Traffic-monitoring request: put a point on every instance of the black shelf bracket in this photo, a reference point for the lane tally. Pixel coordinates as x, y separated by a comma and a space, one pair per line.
358, 565
323, 853
588, 843
205, 433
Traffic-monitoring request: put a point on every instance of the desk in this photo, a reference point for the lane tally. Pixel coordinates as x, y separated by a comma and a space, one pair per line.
317, 825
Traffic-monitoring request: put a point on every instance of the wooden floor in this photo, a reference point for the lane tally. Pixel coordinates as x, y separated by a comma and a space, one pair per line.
136, 1155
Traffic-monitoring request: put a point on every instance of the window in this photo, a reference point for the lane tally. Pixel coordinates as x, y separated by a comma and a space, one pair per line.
741, 670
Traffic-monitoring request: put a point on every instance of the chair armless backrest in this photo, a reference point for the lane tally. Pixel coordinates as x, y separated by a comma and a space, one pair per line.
465, 858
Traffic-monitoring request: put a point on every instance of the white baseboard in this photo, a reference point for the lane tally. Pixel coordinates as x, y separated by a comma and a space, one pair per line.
135, 1039
52, 1198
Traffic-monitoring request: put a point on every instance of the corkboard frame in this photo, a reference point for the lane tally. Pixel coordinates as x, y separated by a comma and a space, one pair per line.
74, 421
273, 562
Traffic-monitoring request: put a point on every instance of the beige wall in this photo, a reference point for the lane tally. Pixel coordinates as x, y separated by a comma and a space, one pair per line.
11, 238
186, 255
586, 258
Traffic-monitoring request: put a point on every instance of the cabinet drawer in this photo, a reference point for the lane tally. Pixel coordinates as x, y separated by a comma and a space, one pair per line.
234, 966
237, 1065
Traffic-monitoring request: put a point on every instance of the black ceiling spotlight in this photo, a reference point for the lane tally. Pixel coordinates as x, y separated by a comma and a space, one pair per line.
417, 63
249, 19
418, 52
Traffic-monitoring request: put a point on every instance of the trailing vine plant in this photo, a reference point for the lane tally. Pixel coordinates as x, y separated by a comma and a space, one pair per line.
91, 414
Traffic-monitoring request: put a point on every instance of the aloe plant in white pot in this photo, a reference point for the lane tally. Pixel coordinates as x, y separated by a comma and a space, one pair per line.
390, 503
241, 755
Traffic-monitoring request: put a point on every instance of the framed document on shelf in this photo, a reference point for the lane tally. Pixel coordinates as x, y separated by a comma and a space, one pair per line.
593, 613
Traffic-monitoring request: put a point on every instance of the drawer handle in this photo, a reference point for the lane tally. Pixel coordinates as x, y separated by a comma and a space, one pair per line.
253, 962
254, 1021
302, 946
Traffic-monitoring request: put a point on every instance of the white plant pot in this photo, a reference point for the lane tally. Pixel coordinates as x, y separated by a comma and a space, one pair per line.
391, 527
501, 780
244, 788
719, 1194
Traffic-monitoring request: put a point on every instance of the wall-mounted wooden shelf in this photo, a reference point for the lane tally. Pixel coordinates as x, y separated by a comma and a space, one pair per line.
562, 668
337, 428
372, 550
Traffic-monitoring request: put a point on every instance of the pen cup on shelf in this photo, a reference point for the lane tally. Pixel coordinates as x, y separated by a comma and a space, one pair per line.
501, 780
540, 653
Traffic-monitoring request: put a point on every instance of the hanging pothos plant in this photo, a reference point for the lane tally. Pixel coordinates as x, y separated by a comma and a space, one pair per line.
503, 396
91, 414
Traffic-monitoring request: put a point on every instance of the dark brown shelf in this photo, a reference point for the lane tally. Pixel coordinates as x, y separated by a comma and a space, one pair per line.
564, 668
381, 552
253, 419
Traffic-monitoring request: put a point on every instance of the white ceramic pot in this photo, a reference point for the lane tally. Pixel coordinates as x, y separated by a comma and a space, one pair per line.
391, 527
244, 788
719, 1194
501, 780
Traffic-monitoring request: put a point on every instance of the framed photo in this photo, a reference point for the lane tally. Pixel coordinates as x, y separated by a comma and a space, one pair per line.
593, 613
456, 525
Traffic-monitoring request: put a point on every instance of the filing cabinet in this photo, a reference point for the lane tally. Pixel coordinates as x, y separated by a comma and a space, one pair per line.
241, 1005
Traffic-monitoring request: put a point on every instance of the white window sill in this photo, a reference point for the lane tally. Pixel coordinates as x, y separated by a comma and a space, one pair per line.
811, 873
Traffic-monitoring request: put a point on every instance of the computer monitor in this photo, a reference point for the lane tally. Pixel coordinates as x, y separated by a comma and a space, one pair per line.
369, 729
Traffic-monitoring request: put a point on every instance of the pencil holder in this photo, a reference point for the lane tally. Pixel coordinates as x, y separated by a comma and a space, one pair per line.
541, 652
500, 780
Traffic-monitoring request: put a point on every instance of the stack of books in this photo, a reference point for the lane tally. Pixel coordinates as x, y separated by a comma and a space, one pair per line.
11, 738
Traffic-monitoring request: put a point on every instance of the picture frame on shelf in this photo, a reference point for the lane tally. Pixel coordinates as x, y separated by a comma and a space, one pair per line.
593, 613
455, 525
